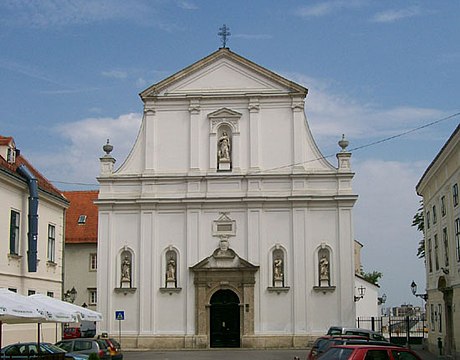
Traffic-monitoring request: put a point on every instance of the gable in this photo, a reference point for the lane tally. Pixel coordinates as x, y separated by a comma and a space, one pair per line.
224, 72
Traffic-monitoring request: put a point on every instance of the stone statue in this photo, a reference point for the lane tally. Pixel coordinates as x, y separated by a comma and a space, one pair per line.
171, 270
323, 268
126, 270
278, 269
224, 148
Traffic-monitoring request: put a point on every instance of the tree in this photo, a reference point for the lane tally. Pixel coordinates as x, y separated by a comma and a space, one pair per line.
419, 221
372, 277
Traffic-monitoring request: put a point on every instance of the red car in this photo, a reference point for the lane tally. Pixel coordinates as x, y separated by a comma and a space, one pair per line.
369, 352
71, 333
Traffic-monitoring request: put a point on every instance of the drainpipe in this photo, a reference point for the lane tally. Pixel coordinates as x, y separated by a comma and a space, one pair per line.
32, 234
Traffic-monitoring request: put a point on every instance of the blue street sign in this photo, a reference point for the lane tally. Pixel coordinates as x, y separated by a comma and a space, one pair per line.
120, 315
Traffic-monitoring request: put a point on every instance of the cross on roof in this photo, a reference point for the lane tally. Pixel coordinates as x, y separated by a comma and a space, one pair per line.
224, 33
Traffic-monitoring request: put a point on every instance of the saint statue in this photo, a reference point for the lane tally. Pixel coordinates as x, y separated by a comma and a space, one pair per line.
224, 148
278, 269
171, 270
126, 270
324, 269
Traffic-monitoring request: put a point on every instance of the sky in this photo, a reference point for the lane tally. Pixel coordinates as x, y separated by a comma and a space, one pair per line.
384, 73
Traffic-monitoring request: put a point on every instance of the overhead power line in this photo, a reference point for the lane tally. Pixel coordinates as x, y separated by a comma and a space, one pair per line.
373, 143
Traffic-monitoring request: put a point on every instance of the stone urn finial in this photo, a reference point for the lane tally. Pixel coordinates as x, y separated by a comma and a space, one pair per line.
343, 143
107, 148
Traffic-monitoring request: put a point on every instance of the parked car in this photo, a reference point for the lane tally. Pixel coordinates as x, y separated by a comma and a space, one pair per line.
31, 350
338, 330
369, 352
71, 333
114, 347
86, 346
323, 343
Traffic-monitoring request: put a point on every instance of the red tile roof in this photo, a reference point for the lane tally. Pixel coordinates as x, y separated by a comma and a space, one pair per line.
43, 183
81, 203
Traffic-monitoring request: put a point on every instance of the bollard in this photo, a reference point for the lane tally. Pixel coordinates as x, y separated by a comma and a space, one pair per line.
440, 345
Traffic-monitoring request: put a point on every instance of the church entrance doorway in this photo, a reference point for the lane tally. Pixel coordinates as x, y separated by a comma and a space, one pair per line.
225, 319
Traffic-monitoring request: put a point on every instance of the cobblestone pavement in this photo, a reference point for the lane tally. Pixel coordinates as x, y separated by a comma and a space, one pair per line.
215, 354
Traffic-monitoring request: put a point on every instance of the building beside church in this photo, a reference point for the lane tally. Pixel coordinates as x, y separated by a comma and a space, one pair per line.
225, 226
439, 189
32, 221
80, 253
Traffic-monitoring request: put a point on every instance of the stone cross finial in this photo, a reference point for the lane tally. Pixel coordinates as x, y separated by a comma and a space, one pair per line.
224, 33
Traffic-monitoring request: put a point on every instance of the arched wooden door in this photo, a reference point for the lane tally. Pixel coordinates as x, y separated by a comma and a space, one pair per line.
225, 319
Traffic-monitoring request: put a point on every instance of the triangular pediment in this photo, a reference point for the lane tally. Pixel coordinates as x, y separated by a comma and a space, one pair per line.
223, 72
224, 259
224, 113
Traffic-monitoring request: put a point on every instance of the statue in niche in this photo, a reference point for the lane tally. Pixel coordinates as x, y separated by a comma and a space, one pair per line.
224, 148
278, 269
324, 269
126, 270
171, 270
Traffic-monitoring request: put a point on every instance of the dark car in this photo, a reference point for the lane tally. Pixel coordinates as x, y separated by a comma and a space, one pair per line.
32, 350
369, 352
86, 346
323, 343
338, 330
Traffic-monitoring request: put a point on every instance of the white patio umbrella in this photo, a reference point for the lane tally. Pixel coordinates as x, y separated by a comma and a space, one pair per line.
81, 313
17, 309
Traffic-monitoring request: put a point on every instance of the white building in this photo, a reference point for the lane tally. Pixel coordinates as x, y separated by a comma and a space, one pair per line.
225, 226
32, 215
439, 189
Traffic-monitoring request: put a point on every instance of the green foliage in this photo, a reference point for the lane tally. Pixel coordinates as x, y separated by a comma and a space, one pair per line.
419, 221
372, 277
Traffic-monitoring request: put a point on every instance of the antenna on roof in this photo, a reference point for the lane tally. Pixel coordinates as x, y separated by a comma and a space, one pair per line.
224, 33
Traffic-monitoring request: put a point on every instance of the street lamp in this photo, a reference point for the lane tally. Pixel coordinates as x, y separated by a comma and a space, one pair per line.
382, 299
413, 288
70, 295
361, 292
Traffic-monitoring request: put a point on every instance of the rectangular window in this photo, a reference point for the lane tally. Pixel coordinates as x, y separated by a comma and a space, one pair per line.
82, 219
14, 232
428, 219
436, 252
457, 237
455, 194
51, 243
445, 240
30, 292
440, 317
430, 255
435, 217
92, 296
13, 290
443, 206
432, 320
92, 262
50, 294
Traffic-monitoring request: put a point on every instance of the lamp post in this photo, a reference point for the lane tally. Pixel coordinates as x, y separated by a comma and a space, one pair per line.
70, 295
413, 288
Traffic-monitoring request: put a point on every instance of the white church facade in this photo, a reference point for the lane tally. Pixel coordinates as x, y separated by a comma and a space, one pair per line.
225, 226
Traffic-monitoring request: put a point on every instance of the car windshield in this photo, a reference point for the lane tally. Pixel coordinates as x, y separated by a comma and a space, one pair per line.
51, 348
337, 354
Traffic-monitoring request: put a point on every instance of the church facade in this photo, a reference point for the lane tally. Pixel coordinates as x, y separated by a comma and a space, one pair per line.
225, 226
